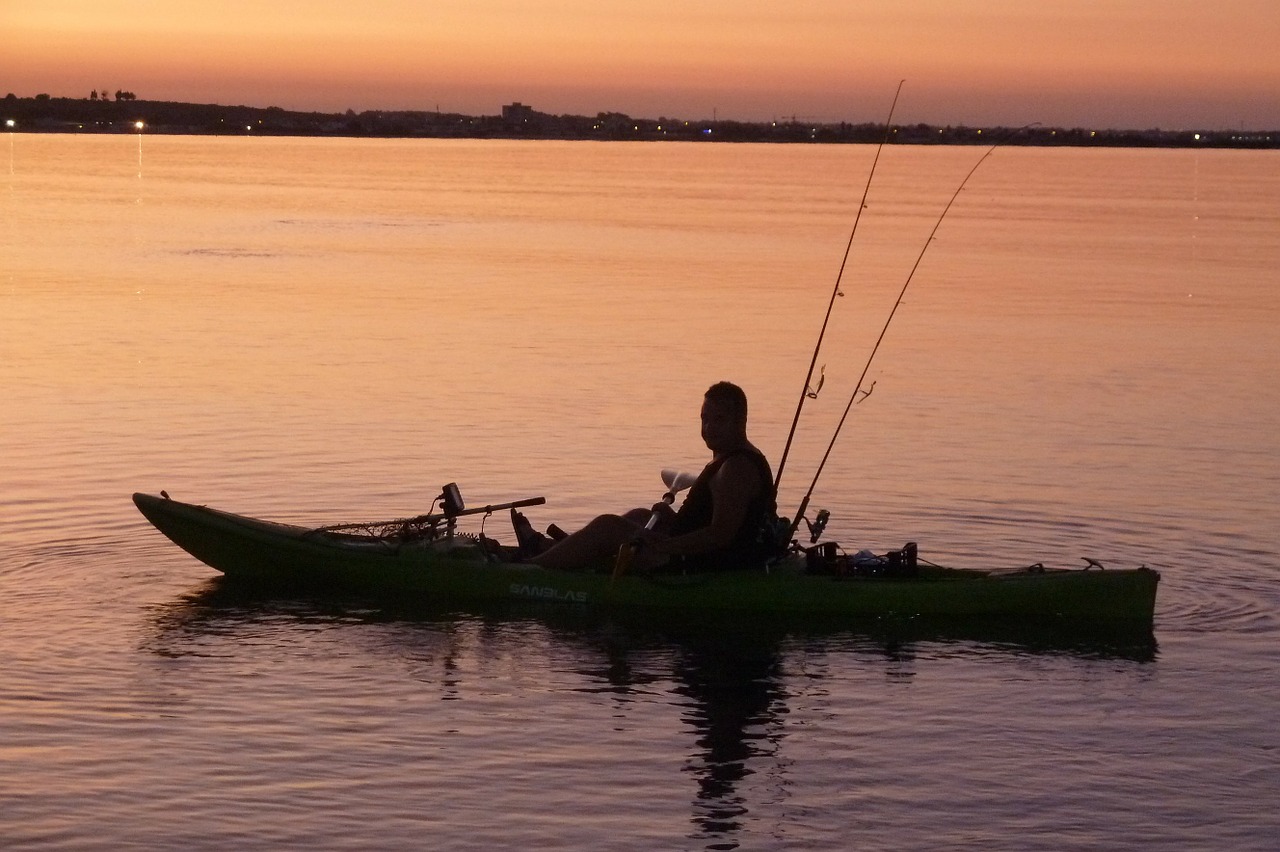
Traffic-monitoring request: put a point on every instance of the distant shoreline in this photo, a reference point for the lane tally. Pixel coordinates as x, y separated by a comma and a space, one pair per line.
44, 114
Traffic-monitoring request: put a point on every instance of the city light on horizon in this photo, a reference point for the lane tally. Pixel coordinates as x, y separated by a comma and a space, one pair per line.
1133, 63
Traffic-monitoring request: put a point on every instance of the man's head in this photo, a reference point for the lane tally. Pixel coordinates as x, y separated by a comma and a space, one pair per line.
724, 416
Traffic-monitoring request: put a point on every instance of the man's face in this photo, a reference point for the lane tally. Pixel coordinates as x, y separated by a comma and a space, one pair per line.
721, 425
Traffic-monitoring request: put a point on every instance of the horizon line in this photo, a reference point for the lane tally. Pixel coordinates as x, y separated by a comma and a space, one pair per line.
793, 119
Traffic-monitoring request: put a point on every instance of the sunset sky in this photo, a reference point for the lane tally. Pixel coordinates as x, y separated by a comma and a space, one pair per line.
1086, 63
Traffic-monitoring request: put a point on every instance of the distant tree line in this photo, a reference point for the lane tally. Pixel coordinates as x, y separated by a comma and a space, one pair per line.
93, 96
120, 96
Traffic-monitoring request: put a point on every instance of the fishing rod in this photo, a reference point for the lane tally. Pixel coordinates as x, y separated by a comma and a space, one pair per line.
858, 395
808, 391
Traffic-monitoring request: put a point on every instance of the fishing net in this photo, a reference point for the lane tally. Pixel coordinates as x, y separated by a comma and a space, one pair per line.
421, 528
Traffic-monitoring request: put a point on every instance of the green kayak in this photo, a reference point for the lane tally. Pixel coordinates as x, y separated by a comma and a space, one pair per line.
428, 558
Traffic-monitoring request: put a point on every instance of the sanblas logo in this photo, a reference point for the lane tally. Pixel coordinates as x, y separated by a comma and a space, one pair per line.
547, 593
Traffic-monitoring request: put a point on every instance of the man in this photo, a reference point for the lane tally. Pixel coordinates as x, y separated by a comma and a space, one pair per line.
719, 525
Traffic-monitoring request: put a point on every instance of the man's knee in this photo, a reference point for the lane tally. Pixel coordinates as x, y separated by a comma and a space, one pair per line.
611, 524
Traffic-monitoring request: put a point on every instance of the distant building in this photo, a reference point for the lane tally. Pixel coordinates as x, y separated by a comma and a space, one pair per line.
517, 113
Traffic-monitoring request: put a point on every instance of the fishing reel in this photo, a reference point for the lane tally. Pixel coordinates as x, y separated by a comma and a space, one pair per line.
822, 558
817, 525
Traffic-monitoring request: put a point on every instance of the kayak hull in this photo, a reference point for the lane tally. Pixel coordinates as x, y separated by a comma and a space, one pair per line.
458, 569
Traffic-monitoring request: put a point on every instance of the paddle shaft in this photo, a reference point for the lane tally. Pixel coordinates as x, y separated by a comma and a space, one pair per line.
480, 510
668, 498
627, 551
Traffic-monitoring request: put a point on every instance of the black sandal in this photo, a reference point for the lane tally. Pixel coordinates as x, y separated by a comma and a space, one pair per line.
531, 541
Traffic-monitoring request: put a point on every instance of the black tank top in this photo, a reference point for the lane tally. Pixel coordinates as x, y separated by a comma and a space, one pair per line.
747, 549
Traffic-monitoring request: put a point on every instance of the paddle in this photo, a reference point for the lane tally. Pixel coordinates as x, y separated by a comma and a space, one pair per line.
676, 481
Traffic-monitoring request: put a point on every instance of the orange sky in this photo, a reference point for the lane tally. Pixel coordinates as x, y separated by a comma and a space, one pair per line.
1208, 64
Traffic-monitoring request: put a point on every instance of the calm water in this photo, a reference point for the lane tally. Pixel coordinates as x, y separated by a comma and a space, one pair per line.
324, 331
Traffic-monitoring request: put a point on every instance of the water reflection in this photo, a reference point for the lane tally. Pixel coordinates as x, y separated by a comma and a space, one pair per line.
731, 680
220, 603
737, 700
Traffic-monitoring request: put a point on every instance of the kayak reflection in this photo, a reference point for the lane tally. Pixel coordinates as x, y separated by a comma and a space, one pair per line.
221, 600
732, 683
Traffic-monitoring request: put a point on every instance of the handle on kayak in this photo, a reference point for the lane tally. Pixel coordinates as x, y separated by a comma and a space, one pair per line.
623, 562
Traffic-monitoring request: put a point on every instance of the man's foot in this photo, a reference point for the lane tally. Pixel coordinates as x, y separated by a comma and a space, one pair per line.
531, 541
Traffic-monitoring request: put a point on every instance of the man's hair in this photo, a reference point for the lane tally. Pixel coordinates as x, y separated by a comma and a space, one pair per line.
728, 393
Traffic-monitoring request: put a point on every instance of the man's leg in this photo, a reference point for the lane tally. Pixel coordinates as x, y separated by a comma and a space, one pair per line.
593, 545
